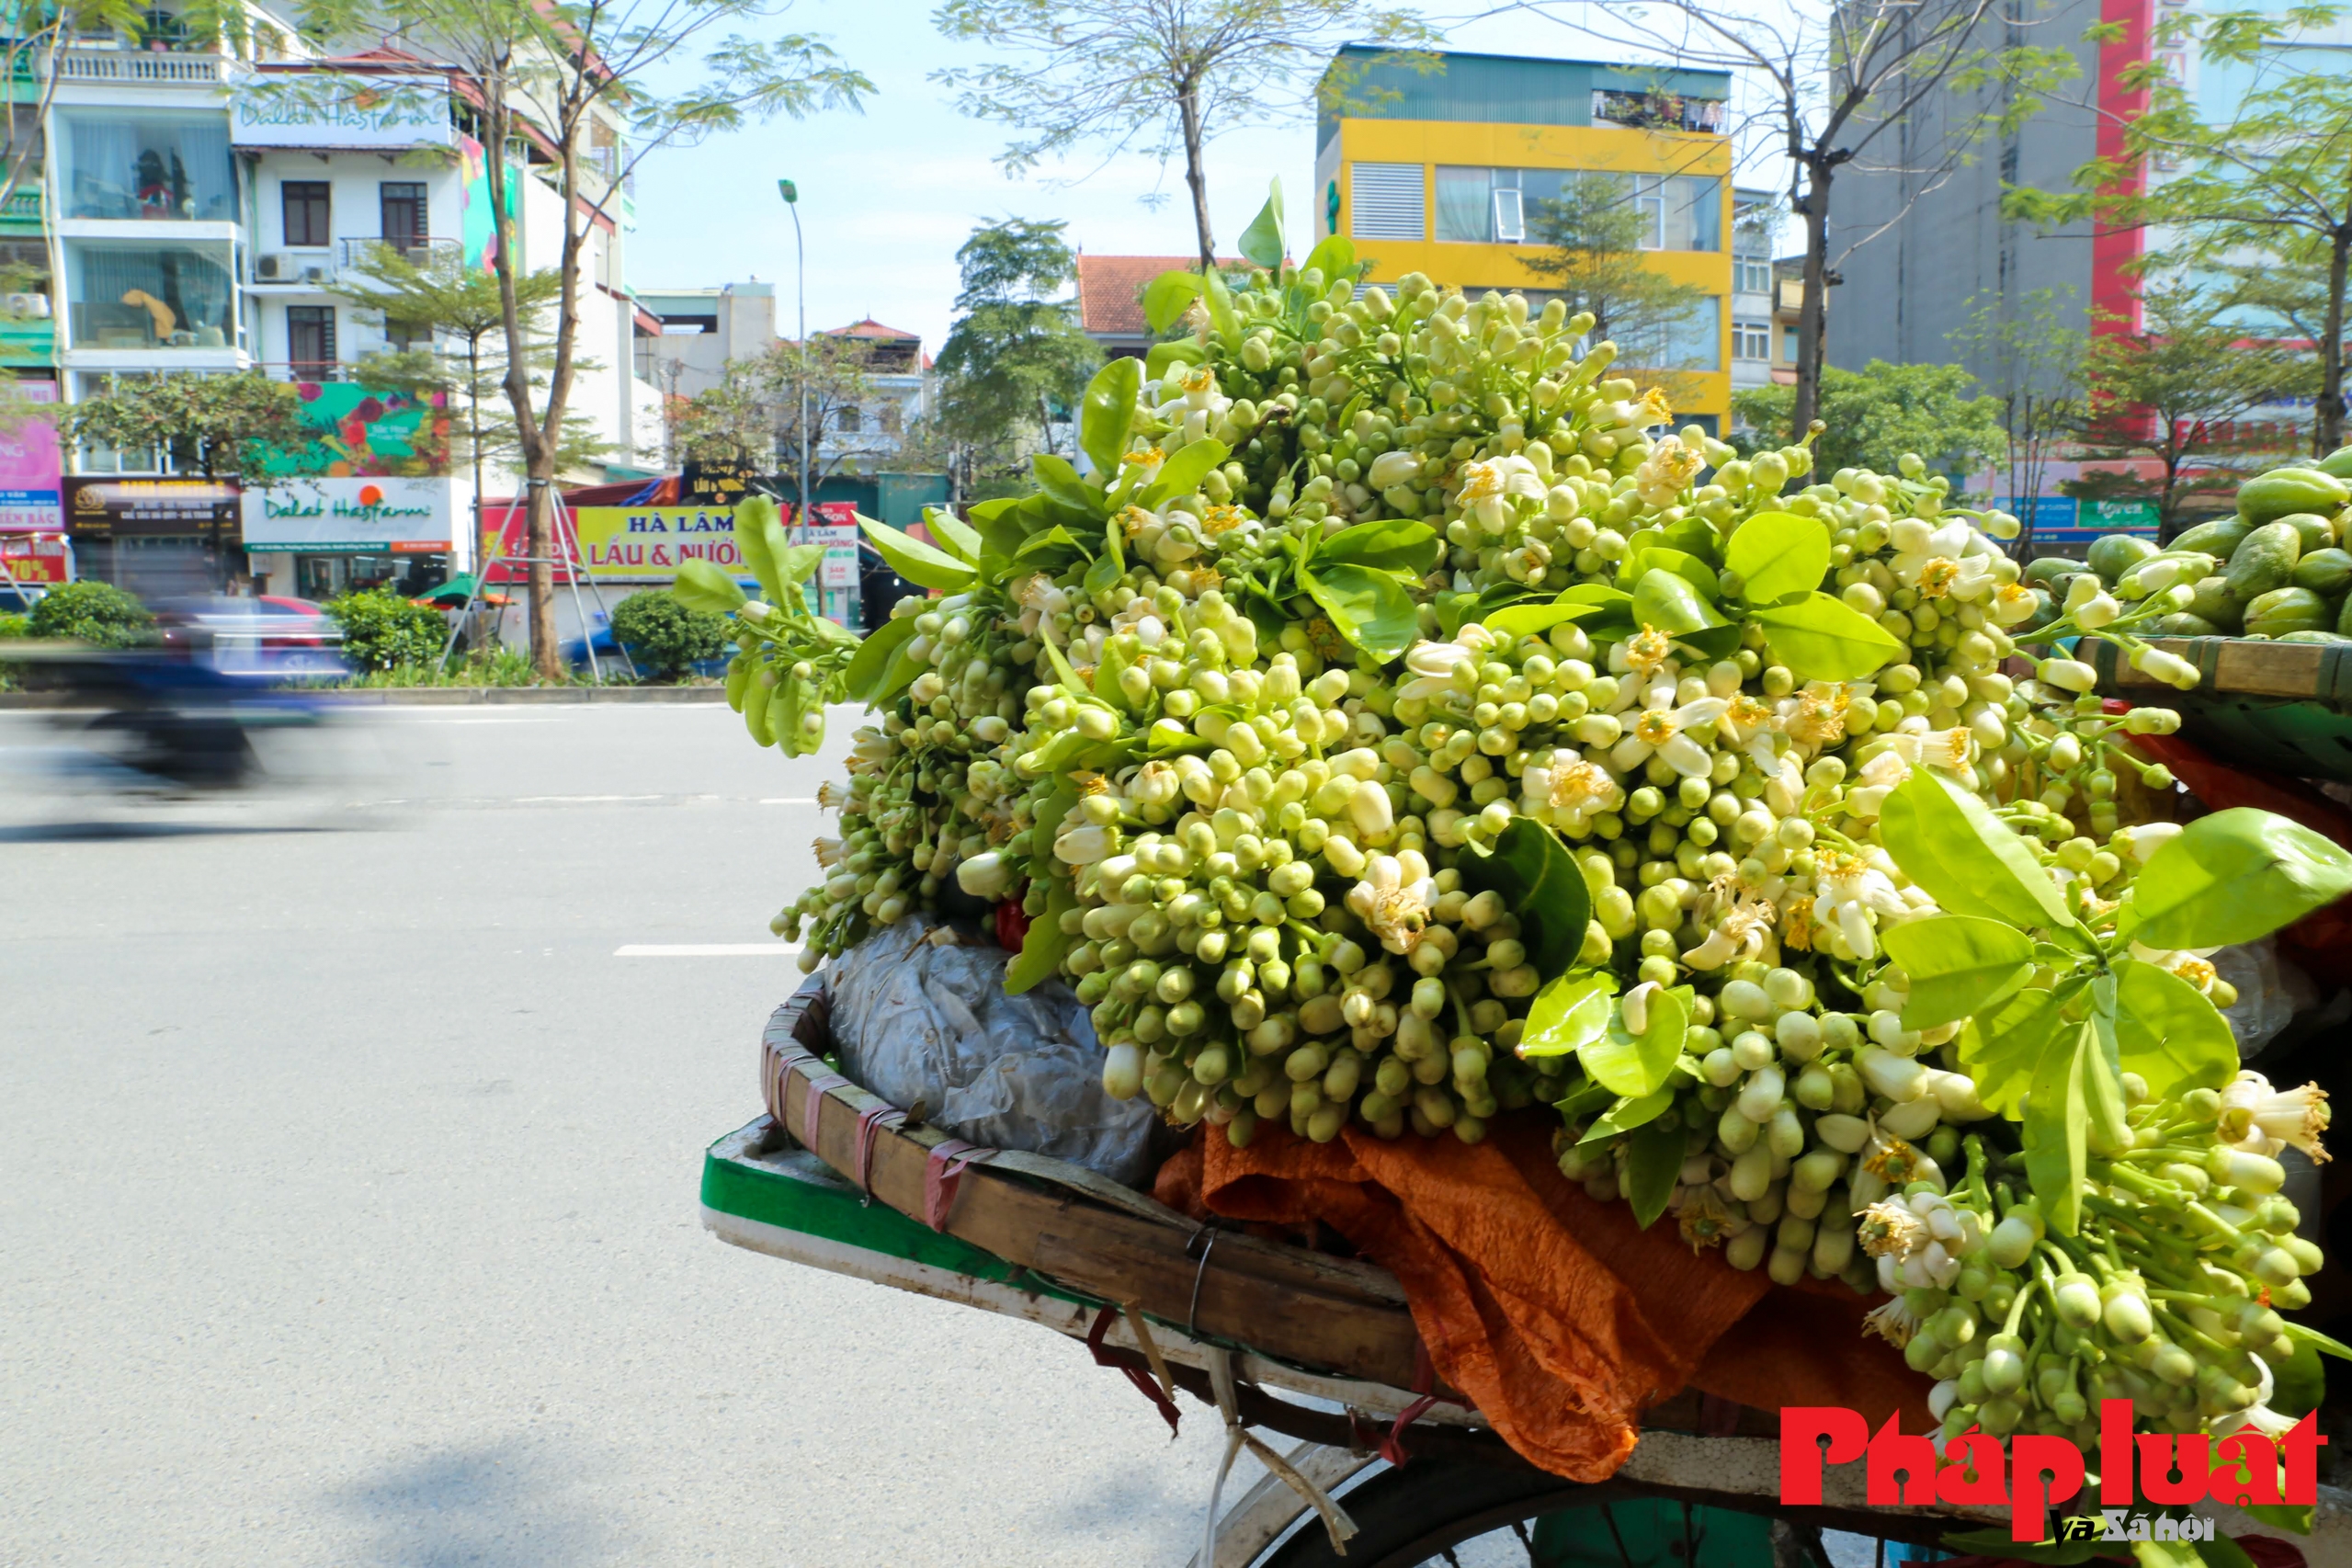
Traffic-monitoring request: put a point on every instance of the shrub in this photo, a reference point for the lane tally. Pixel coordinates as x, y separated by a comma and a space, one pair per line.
663, 635
382, 631
13, 625
93, 612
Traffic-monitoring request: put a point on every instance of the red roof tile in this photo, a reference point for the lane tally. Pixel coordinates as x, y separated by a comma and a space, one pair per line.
1110, 289
870, 328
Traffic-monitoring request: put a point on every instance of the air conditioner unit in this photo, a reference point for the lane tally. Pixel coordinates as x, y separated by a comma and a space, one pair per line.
35, 306
317, 272
273, 267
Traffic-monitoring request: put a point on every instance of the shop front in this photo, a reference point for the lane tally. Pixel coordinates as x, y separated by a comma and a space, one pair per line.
154, 538
318, 536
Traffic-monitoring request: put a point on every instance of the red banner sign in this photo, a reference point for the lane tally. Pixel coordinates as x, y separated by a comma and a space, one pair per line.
35, 560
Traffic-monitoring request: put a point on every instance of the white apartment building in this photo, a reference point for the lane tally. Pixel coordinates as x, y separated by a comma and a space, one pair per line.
1755, 223
206, 214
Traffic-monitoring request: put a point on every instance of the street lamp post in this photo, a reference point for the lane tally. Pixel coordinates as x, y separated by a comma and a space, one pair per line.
792, 196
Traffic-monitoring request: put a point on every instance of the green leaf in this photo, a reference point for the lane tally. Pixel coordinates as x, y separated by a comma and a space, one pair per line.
2299, 1386
1391, 544
1667, 600
2317, 1341
2287, 1516
703, 587
1585, 1096
1458, 610
2001, 1049
2057, 1129
1221, 315
913, 560
1540, 882
796, 564
1335, 258
1100, 575
873, 657
1681, 562
1047, 943
1106, 678
1370, 609
1776, 554
1636, 1065
2169, 1033
1053, 539
1105, 412
1262, 241
1627, 1115
1968, 859
949, 530
1568, 1014
1182, 474
760, 534
1004, 524
1959, 964
2234, 876
1653, 1163
1185, 351
1822, 638
1533, 620
1167, 297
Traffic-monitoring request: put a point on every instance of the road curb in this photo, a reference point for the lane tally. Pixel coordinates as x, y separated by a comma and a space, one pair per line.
436, 695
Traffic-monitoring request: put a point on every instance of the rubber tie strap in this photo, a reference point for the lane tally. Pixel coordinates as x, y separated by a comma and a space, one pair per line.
812, 1102
870, 1122
943, 1175
1425, 1378
1131, 1366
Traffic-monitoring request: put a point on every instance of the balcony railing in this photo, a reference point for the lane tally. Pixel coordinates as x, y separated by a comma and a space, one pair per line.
356, 254
142, 66
306, 369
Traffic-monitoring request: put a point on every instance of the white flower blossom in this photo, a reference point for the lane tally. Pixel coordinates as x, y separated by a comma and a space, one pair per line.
1490, 490
1658, 731
1396, 910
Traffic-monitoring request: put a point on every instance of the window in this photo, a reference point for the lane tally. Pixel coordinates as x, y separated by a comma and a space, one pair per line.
1385, 201
405, 336
1751, 340
1690, 341
849, 421
1657, 112
309, 340
126, 295
893, 419
1788, 344
1499, 206
1509, 224
1751, 275
146, 166
402, 205
304, 202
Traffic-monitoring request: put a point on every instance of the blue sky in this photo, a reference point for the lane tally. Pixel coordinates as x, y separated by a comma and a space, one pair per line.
887, 196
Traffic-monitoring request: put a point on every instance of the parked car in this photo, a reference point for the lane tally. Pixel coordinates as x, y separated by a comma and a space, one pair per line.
284, 639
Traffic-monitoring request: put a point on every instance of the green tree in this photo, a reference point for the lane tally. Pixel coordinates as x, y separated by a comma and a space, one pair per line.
2025, 354
2171, 390
1016, 355
2274, 177
93, 612
1875, 414
578, 90
1159, 77
664, 636
460, 313
222, 427
1592, 239
1838, 85
753, 416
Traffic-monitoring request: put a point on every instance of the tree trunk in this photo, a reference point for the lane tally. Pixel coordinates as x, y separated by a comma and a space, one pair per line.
1812, 315
2329, 434
1189, 107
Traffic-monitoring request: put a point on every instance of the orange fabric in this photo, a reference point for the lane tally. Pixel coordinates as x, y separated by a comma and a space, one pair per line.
1555, 1317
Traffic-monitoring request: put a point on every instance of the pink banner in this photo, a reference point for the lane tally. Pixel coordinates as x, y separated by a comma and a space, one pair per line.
30, 471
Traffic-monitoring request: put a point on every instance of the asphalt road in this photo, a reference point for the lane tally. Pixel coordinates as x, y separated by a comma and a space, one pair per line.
348, 1192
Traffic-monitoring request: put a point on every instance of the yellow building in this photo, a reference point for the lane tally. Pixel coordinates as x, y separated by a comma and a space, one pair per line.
1442, 171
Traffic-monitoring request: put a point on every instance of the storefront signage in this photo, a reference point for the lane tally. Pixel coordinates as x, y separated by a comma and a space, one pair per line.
347, 516
149, 508
276, 110
35, 560
646, 544
30, 490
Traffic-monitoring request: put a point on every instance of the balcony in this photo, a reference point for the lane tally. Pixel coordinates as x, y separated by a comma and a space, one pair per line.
357, 253
136, 68
23, 205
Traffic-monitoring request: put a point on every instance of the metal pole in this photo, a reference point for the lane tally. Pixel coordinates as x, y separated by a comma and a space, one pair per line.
800, 286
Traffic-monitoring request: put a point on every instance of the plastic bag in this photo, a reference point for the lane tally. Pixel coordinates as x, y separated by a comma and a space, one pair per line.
920, 1014
2271, 989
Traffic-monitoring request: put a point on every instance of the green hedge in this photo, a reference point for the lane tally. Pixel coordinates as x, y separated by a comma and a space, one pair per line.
382, 630
93, 612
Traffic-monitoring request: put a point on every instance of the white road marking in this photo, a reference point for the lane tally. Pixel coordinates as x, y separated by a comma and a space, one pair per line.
577, 799
706, 949
788, 800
